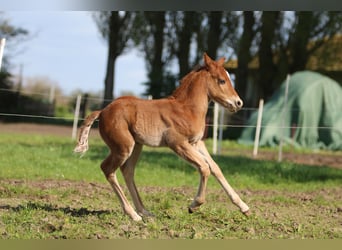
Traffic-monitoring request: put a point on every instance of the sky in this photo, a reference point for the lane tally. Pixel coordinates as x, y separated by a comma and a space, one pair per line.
66, 47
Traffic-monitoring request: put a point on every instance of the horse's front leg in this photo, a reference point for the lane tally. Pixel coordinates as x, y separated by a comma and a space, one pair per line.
190, 154
216, 171
200, 196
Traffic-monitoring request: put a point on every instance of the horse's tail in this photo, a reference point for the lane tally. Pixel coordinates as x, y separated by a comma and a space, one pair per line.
82, 143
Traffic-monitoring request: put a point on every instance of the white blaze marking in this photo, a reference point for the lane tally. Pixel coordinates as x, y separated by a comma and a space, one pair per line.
233, 83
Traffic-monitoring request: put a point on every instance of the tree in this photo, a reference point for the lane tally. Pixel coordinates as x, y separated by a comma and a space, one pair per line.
115, 27
288, 40
13, 35
154, 57
267, 68
244, 55
217, 31
185, 35
312, 30
299, 39
152, 35
281, 42
184, 23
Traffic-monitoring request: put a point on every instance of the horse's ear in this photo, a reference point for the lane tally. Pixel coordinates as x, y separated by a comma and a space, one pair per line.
207, 59
221, 61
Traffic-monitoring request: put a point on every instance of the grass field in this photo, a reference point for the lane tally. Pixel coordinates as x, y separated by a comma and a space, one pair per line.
48, 192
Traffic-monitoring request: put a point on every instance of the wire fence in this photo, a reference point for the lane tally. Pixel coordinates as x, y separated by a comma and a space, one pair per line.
236, 121
207, 124
216, 126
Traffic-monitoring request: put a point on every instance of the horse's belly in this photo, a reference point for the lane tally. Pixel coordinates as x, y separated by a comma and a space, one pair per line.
150, 139
149, 131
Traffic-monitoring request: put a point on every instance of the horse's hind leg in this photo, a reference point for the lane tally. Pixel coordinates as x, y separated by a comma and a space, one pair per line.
109, 167
128, 173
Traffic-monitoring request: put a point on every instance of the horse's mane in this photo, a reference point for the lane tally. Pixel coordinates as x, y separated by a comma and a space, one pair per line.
198, 67
186, 80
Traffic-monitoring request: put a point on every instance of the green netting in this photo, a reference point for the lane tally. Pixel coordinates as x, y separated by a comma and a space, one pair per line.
312, 118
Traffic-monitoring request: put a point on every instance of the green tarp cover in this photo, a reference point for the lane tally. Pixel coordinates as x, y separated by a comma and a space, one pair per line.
312, 117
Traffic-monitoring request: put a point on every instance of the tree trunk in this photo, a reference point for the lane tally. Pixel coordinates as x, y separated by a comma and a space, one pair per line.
116, 28
244, 56
109, 80
184, 37
215, 30
155, 84
111, 58
267, 68
299, 41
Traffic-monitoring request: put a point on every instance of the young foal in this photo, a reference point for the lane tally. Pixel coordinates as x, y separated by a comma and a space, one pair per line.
178, 122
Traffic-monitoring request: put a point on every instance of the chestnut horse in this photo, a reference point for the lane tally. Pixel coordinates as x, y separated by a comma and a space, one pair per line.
178, 122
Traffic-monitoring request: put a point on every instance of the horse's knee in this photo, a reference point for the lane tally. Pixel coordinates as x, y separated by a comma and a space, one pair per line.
205, 171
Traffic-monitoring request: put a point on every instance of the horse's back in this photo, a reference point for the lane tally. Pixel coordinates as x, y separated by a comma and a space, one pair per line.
149, 121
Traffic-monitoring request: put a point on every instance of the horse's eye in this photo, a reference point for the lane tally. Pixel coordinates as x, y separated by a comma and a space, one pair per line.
221, 81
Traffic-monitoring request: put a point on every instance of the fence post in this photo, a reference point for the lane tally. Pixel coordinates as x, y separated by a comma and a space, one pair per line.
280, 153
258, 127
215, 127
76, 115
52, 93
220, 135
2, 46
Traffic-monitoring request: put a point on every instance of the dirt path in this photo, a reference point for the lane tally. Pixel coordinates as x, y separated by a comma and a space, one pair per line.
40, 129
331, 159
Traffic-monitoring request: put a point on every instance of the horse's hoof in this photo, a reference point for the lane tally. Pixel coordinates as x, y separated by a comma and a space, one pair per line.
136, 218
247, 213
146, 213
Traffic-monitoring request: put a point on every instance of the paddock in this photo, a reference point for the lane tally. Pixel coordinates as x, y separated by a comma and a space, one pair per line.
46, 190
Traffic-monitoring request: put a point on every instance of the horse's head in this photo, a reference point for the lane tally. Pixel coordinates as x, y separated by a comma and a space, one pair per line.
220, 87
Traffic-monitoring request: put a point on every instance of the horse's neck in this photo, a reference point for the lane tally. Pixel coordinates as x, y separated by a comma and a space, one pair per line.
193, 93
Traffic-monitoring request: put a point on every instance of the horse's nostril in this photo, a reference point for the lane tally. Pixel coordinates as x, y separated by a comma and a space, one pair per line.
239, 103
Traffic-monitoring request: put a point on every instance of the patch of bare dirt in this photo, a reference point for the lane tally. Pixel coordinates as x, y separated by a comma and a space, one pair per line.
40, 129
90, 189
317, 159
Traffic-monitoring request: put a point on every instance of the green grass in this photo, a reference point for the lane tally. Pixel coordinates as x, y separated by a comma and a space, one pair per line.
38, 157
48, 192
